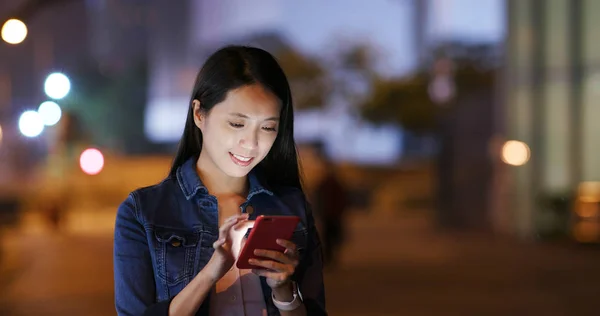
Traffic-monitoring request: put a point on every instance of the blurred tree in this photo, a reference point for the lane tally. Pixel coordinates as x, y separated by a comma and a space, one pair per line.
110, 105
408, 101
352, 73
308, 78
402, 101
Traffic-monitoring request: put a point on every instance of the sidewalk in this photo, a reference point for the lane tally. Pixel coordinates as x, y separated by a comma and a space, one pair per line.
390, 266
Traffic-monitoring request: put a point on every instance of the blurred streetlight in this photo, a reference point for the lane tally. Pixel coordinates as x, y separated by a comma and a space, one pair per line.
0, 134
31, 124
515, 153
14, 31
91, 161
57, 86
50, 113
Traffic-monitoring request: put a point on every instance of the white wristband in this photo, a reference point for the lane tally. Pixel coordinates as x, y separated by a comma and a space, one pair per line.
288, 306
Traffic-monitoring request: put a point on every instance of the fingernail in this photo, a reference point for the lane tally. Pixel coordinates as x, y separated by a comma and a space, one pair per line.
252, 261
256, 252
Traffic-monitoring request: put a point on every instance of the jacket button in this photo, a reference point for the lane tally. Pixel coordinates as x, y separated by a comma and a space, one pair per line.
176, 243
249, 209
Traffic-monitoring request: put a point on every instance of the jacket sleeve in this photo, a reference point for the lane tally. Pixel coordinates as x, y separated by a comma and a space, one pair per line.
133, 274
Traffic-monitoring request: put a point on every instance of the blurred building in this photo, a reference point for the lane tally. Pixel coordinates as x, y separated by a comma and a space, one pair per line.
52, 44
441, 21
402, 31
118, 31
56, 41
175, 37
551, 94
308, 26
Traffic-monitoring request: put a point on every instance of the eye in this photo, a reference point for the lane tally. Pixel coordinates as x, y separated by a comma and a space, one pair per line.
236, 125
270, 129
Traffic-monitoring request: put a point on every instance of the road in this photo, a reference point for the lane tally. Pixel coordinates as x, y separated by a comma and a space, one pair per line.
390, 266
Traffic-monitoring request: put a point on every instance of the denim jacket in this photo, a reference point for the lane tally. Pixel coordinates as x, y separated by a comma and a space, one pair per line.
164, 235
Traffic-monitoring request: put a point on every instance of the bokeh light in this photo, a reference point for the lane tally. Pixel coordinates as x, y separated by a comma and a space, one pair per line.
31, 124
515, 153
91, 161
50, 113
14, 31
57, 86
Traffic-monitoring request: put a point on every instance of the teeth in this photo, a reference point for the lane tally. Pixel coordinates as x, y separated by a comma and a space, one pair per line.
244, 159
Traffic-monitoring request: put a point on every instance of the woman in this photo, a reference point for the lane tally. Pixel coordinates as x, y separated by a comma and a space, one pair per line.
176, 242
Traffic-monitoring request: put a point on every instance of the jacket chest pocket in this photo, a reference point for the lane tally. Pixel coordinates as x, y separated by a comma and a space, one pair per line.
176, 251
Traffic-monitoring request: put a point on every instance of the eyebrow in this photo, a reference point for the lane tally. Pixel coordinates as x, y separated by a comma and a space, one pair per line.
236, 114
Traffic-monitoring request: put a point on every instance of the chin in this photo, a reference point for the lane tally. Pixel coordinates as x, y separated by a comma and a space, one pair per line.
237, 171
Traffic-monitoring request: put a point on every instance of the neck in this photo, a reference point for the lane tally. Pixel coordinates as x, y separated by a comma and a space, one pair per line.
217, 183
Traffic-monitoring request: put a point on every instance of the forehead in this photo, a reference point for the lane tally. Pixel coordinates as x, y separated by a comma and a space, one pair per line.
253, 101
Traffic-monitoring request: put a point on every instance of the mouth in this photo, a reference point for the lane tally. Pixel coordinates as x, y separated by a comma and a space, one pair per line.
241, 160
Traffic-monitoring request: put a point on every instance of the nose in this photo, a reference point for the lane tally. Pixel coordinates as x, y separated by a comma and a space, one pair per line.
249, 140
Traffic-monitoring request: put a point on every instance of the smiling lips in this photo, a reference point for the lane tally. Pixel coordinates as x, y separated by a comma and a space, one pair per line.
241, 160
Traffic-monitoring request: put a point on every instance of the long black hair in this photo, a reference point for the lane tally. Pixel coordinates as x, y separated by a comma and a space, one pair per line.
230, 68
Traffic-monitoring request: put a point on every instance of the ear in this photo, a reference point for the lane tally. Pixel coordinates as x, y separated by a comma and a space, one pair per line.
199, 116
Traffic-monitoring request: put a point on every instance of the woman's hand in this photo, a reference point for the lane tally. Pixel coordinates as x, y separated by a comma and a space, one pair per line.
278, 267
223, 258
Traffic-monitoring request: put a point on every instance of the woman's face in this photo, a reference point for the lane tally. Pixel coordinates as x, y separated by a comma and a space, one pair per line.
239, 132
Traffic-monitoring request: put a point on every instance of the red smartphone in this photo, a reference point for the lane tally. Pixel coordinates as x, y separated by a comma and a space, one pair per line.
266, 230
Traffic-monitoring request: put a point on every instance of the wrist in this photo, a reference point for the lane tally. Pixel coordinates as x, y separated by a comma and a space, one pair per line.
212, 271
285, 303
284, 293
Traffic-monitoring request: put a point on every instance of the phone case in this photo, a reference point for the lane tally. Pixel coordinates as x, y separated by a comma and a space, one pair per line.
266, 230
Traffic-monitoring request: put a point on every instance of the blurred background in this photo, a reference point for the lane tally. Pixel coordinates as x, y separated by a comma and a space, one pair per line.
448, 145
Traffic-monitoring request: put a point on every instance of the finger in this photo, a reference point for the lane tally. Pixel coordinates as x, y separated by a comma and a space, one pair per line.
236, 218
275, 255
230, 219
225, 228
272, 265
287, 244
277, 276
244, 224
293, 255
227, 225
240, 223
219, 243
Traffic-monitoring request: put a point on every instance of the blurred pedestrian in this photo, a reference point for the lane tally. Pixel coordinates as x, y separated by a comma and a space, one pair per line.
331, 205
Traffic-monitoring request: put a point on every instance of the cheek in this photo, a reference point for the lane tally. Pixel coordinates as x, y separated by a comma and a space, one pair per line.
266, 142
217, 141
